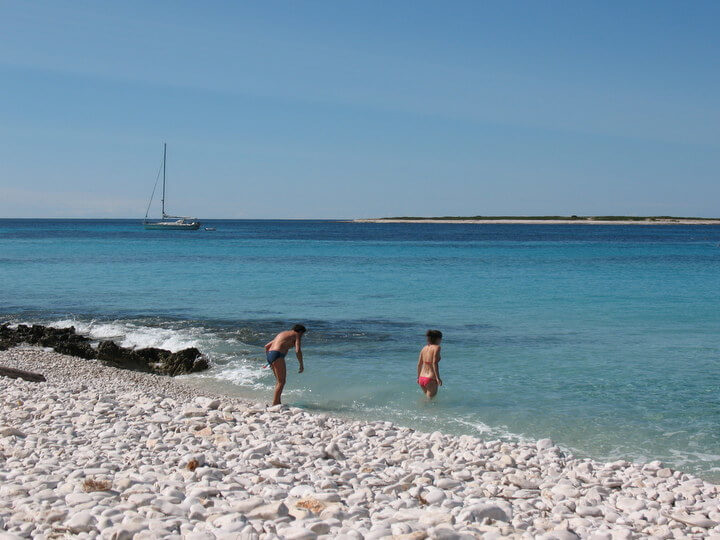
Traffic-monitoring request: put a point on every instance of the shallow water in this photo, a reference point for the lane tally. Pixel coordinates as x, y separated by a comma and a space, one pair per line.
605, 338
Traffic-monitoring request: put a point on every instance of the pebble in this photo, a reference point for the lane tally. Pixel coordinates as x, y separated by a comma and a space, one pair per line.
588, 511
128, 455
478, 512
298, 533
8, 431
630, 504
434, 495
269, 511
333, 451
447, 483
544, 444
81, 522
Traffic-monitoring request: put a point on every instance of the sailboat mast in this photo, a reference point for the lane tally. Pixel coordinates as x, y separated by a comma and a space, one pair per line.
164, 161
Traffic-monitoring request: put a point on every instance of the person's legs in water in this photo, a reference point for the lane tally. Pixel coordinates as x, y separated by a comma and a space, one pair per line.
278, 367
428, 385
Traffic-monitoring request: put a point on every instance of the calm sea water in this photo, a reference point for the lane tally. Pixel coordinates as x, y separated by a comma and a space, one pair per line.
604, 338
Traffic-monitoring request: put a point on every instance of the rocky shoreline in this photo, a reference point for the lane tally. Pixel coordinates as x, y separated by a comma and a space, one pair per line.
100, 452
68, 341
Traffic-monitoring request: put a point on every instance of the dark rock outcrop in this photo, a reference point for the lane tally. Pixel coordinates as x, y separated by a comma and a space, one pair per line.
20, 374
152, 360
62, 340
67, 341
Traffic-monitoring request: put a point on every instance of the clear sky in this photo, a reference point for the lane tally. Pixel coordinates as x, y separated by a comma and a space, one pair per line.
360, 109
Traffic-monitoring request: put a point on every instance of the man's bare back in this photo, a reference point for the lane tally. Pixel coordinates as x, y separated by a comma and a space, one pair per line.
283, 341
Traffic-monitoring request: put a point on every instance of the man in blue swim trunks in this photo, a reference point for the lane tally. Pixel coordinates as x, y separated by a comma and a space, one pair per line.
277, 349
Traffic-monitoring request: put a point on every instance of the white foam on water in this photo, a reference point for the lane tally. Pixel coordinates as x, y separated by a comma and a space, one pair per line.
687, 457
243, 373
484, 430
477, 426
93, 329
134, 336
227, 367
226, 355
162, 338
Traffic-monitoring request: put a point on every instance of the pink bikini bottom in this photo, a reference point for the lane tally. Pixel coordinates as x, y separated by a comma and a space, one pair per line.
424, 381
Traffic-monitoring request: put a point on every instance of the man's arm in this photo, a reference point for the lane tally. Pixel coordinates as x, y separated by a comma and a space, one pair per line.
268, 345
298, 353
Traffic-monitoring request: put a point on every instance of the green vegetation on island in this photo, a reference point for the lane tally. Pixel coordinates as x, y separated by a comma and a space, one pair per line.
549, 218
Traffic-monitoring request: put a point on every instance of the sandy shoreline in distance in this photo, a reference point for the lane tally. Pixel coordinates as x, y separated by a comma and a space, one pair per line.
544, 221
105, 453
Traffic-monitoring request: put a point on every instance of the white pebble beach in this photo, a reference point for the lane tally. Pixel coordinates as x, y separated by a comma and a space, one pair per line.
97, 452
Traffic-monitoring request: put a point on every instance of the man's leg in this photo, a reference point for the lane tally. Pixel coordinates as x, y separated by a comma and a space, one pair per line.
278, 367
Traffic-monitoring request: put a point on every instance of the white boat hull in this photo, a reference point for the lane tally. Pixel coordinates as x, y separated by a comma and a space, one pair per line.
172, 225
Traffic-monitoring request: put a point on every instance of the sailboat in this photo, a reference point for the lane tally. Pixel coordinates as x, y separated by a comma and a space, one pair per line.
168, 222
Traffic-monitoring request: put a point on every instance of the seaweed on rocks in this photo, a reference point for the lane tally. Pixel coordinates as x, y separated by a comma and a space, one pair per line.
68, 341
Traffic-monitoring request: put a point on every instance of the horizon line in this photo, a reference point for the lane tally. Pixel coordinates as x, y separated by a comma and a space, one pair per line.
444, 217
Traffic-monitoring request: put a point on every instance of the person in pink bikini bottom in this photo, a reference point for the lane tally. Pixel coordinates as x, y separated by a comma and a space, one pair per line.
427, 368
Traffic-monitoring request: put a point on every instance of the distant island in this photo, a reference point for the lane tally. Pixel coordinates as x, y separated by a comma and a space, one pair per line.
551, 220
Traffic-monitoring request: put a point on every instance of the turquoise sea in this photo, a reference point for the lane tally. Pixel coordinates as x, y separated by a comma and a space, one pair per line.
604, 338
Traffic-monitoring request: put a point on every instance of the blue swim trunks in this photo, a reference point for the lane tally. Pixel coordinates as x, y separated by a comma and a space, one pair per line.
274, 355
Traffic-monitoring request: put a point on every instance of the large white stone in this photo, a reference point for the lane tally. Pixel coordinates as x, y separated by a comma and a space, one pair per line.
229, 523
269, 511
433, 495
523, 482
629, 504
478, 512
247, 505
565, 490
588, 511
447, 483
431, 518
333, 451
298, 533
82, 521
207, 403
327, 497
544, 444
695, 520
203, 492
559, 534
78, 498
301, 491
9, 431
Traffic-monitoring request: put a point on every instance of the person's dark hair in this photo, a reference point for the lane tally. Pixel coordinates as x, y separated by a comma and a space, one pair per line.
433, 336
299, 328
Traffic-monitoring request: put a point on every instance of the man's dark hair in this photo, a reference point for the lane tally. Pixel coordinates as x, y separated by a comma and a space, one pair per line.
433, 336
299, 328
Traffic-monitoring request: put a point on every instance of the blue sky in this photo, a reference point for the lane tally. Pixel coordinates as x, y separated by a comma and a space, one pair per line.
360, 109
